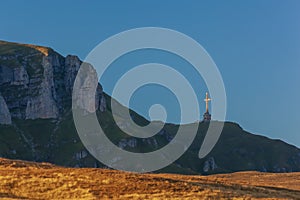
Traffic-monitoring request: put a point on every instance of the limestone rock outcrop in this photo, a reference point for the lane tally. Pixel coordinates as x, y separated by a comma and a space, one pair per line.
210, 165
37, 82
5, 117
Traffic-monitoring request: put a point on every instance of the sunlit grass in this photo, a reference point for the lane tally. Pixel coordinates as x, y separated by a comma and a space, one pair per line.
19, 179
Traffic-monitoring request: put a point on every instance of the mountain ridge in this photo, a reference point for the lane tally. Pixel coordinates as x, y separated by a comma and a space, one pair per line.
44, 50
37, 124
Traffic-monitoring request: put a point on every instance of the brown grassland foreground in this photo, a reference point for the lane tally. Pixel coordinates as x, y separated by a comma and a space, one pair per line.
28, 180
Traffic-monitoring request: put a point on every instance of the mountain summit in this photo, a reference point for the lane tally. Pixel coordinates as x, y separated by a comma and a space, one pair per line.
36, 122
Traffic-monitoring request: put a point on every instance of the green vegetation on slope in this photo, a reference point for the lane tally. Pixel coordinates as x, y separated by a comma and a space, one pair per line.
58, 142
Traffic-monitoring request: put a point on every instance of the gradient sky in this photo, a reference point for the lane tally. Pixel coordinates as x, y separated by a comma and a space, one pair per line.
255, 45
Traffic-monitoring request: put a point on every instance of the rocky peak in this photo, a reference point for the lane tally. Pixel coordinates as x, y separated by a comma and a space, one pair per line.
36, 82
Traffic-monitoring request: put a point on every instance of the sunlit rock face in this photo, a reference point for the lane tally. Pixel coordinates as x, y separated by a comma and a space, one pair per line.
43, 105
36, 82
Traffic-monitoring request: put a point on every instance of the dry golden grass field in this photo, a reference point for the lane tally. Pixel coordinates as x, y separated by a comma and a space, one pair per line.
28, 180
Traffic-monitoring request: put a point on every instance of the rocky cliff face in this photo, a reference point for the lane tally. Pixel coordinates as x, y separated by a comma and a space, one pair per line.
36, 82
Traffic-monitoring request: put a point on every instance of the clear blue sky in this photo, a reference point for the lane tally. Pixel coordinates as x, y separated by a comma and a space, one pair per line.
255, 44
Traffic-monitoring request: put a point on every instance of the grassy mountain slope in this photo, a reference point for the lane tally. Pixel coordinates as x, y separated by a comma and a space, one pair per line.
55, 140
